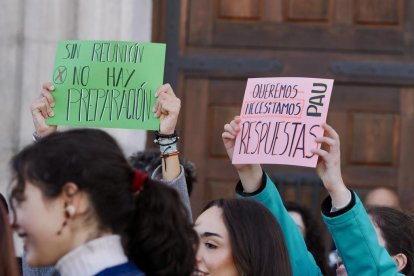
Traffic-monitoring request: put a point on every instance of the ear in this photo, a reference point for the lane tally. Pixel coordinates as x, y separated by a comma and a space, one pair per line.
401, 261
69, 190
73, 196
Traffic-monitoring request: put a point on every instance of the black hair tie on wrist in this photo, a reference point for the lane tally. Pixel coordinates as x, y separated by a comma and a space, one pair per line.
165, 136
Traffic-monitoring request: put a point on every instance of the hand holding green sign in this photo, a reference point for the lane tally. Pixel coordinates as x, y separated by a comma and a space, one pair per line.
107, 84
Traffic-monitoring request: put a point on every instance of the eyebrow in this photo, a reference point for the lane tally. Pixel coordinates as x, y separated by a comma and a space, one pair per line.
209, 234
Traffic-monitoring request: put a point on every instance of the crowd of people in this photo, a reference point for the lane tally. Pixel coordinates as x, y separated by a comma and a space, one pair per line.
83, 208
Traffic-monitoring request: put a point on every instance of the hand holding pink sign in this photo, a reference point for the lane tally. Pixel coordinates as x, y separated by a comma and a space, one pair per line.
280, 119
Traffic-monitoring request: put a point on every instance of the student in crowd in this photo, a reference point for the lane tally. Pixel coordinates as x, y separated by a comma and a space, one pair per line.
149, 161
383, 197
377, 197
157, 233
255, 184
343, 212
8, 261
361, 239
90, 205
167, 109
240, 237
311, 232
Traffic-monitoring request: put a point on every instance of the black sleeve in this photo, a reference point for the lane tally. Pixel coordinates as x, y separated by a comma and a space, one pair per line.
240, 191
327, 206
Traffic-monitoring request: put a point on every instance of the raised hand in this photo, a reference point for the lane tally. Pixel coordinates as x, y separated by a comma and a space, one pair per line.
41, 109
167, 108
250, 174
329, 166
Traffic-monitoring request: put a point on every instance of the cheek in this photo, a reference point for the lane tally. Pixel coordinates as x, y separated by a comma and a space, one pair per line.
219, 262
20, 217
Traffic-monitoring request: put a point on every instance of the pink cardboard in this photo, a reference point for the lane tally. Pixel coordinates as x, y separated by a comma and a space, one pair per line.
280, 119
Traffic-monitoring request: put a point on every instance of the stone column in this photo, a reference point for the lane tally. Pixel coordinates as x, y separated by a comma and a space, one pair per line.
29, 31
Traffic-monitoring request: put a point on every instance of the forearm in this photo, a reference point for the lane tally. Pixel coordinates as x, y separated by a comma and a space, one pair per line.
356, 239
179, 183
339, 193
251, 177
170, 167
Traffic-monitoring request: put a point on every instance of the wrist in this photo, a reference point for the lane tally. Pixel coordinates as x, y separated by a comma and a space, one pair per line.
250, 176
167, 132
36, 137
167, 142
247, 168
340, 197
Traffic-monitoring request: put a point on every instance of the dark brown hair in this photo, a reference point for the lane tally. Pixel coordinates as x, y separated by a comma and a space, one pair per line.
313, 234
397, 229
150, 159
8, 261
257, 242
153, 224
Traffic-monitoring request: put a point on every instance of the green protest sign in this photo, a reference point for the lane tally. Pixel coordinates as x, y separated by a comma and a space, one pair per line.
107, 84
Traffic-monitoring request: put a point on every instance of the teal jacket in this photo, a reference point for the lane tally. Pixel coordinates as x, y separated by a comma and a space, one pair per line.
301, 260
350, 228
357, 241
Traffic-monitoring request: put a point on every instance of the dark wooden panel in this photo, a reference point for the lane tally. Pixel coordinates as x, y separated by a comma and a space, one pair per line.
289, 193
219, 189
337, 119
374, 139
384, 12
369, 177
221, 169
194, 113
306, 37
200, 25
307, 10
367, 98
218, 116
245, 9
406, 175
227, 91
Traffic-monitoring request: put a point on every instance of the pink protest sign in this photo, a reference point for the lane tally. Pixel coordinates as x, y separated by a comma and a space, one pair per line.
280, 119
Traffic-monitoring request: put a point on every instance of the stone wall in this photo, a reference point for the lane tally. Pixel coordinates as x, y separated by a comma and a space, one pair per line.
29, 31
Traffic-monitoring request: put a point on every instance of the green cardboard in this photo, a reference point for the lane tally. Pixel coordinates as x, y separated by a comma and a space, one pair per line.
107, 84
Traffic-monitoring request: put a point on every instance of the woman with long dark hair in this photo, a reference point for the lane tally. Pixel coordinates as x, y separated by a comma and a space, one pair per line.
240, 237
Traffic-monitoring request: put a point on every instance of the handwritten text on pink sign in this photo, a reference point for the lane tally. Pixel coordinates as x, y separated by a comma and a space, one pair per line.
281, 117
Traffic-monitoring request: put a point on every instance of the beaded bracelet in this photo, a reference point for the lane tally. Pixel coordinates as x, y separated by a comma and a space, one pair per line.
160, 135
166, 139
168, 144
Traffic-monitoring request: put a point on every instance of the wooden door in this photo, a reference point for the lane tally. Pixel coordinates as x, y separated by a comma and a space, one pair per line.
367, 46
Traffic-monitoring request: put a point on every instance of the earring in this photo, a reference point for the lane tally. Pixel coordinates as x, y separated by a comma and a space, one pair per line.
69, 212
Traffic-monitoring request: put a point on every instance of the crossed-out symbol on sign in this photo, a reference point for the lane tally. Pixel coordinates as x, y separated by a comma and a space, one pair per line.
60, 74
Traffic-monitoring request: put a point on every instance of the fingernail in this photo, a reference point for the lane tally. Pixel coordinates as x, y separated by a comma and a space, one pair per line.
52, 104
52, 87
51, 114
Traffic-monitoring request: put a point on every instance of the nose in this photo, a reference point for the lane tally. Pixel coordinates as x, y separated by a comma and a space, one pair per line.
199, 255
